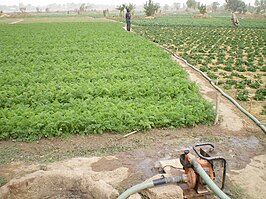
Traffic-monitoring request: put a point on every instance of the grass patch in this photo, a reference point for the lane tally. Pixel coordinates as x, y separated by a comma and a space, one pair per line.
3, 180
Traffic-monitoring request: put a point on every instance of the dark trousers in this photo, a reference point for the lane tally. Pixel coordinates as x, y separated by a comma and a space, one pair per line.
128, 25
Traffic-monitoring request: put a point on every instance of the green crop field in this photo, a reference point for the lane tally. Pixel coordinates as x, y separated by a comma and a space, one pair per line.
82, 78
235, 57
49, 18
189, 20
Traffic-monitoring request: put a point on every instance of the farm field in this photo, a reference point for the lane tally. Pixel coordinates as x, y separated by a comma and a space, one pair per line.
93, 81
233, 57
50, 18
189, 20
82, 78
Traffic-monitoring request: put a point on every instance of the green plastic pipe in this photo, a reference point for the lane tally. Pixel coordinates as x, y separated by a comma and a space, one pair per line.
217, 191
263, 128
149, 184
135, 189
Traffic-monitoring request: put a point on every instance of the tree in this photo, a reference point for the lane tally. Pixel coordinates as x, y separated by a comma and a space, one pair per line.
191, 4
251, 8
263, 5
47, 10
82, 7
166, 7
203, 9
105, 12
121, 9
177, 6
22, 9
151, 8
242, 8
236, 5
214, 6
260, 5
131, 7
257, 3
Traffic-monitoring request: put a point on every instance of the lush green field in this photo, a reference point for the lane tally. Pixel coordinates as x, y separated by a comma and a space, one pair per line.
82, 78
234, 56
50, 18
188, 20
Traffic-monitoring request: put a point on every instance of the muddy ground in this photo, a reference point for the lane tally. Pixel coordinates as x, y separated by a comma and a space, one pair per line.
235, 137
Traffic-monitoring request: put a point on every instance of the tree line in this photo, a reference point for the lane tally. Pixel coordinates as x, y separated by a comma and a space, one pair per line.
151, 8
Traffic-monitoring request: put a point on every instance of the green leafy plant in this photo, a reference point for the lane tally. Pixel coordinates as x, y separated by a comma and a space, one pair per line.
263, 68
258, 76
240, 68
252, 69
256, 84
73, 78
240, 85
242, 95
227, 86
231, 82
260, 94
228, 68
204, 68
212, 75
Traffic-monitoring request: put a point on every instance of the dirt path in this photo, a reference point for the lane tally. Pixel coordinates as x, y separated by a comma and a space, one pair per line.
236, 138
231, 117
14, 22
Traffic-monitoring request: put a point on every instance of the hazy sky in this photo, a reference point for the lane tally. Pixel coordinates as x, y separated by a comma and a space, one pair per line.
110, 2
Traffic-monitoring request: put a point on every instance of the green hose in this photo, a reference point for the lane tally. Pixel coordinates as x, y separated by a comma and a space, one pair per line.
149, 184
135, 189
217, 191
177, 179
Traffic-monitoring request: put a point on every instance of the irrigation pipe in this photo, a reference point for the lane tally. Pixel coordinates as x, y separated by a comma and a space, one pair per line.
152, 183
176, 179
218, 192
220, 90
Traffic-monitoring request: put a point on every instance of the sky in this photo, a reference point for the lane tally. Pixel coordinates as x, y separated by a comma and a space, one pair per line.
105, 2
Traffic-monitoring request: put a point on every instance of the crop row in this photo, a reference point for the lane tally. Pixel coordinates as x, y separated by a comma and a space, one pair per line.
235, 58
82, 78
188, 20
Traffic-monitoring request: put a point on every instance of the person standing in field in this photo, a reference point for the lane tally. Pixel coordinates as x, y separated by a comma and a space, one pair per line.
128, 18
234, 20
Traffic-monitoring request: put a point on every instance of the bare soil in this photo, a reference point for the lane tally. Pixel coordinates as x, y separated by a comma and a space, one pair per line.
236, 138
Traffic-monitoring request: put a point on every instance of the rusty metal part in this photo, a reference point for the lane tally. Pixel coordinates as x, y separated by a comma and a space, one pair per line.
204, 155
206, 165
191, 178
